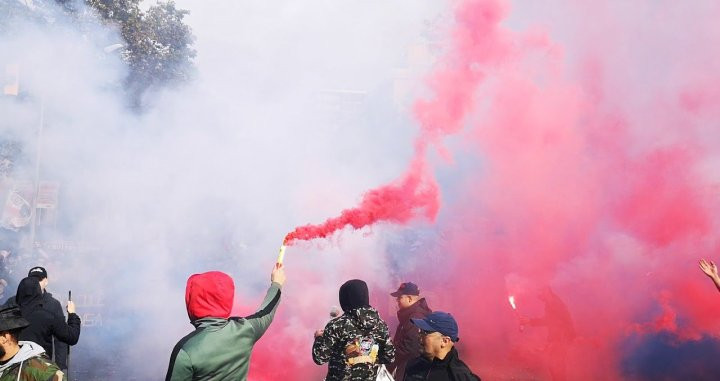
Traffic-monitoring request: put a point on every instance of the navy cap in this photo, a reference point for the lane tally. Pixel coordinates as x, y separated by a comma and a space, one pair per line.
441, 322
407, 288
38, 272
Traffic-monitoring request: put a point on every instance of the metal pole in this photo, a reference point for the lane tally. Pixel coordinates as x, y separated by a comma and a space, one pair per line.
68, 346
33, 215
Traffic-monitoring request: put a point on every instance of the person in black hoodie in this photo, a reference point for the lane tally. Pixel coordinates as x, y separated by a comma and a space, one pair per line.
407, 336
60, 353
440, 360
357, 342
44, 324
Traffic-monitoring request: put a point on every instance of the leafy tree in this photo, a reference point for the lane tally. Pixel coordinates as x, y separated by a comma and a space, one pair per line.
158, 43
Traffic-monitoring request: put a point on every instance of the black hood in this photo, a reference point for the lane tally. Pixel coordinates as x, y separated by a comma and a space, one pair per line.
354, 294
29, 293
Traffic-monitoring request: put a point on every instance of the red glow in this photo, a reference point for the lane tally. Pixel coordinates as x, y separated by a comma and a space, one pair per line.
592, 183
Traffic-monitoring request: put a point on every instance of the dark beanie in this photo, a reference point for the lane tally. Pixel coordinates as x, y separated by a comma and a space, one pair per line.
354, 294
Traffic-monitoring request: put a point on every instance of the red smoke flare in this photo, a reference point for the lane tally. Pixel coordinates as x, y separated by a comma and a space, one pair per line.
398, 203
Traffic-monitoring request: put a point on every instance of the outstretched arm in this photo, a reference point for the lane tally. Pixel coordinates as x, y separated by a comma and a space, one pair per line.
711, 270
261, 319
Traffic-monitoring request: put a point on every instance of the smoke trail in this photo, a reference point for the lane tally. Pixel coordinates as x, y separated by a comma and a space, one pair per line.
452, 87
397, 203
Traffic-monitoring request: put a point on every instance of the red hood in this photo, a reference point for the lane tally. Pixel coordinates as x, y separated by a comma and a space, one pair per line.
209, 294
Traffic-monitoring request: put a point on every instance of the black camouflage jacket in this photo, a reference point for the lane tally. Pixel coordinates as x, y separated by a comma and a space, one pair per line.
363, 328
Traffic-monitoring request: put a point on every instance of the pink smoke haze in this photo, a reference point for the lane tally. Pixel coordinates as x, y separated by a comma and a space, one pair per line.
595, 194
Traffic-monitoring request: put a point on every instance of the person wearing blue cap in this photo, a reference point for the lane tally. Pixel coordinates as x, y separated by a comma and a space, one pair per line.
440, 360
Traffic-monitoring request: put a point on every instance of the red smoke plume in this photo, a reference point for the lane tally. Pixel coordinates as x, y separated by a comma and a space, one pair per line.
398, 202
476, 41
598, 187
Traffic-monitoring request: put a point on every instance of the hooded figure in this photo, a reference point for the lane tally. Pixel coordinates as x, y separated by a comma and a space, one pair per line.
209, 295
60, 349
356, 343
44, 323
354, 294
220, 346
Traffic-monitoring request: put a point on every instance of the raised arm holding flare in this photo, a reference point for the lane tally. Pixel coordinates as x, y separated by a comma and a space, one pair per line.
220, 346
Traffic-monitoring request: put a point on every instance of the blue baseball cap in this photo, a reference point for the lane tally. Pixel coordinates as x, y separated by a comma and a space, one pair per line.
441, 322
407, 288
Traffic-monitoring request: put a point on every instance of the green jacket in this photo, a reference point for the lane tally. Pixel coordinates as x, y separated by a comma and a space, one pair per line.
32, 364
219, 348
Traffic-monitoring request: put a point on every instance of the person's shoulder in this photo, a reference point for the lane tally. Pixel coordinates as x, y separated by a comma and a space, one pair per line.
51, 303
418, 364
10, 302
463, 371
418, 313
40, 364
188, 343
377, 321
49, 298
370, 314
338, 323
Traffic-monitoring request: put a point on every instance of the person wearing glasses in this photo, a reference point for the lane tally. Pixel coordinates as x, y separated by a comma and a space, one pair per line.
440, 360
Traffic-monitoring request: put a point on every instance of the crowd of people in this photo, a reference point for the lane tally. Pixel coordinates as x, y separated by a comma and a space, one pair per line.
34, 332
356, 345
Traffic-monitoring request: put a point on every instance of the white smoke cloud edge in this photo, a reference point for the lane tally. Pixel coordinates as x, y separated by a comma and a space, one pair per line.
292, 117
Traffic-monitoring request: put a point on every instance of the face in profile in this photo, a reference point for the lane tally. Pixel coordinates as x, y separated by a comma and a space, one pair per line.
403, 301
433, 343
4, 340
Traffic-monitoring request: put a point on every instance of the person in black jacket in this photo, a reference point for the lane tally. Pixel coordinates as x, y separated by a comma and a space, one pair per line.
356, 343
60, 353
407, 336
440, 360
44, 323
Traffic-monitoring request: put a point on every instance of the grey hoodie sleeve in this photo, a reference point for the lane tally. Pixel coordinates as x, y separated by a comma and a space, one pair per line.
260, 320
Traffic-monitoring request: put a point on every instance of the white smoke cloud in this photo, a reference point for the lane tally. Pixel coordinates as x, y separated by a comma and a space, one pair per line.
292, 116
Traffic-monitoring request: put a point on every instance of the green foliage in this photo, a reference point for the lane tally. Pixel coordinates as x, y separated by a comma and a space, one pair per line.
158, 43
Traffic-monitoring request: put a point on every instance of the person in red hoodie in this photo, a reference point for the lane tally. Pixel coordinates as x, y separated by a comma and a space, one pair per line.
220, 346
